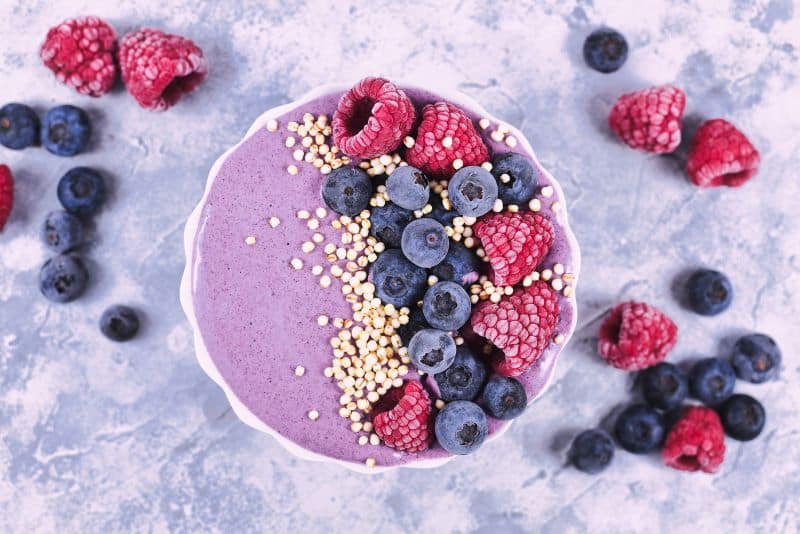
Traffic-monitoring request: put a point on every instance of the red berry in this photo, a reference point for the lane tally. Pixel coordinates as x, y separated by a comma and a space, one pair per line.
721, 155
521, 325
6, 194
81, 54
405, 425
650, 119
635, 335
515, 244
159, 68
696, 442
372, 118
445, 121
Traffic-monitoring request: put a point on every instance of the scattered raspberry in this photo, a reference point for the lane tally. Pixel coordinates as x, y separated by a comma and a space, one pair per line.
515, 243
721, 155
81, 54
650, 119
439, 122
696, 442
405, 426
521, 325
6, 194
372, 118
159, 68
635, 335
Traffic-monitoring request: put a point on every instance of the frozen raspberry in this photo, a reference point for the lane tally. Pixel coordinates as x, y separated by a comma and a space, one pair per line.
445, 134
696, 442
159, 68
515, 243
721, 155
649, 120
635, 335
372, 118
6, 194
405, 425
81, 54
521, 325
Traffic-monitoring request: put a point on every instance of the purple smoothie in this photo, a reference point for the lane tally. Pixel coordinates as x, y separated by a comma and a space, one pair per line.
258, 316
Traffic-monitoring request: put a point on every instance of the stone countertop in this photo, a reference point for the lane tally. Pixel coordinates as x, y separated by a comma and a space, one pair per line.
102, 437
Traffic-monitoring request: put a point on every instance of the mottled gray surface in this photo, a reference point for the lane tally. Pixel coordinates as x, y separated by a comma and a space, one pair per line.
98, 437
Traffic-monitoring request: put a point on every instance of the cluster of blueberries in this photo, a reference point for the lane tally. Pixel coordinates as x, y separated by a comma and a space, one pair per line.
65, 130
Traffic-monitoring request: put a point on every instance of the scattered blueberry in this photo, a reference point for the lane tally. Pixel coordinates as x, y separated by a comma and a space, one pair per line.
639, 429
398, 281
711, 381
605, 50
82, 191
461, 427
63, 278
66, 130
432, 351
519, 184
591, 451
664, 386
464, 379
472, 191
416, 322
461, 265
119, 323
347, 190
504, 397
62, 231
424, 242
408, 187
19, 126
446, 306
388, 222
756, 358
710, 292
743, 417
439, 213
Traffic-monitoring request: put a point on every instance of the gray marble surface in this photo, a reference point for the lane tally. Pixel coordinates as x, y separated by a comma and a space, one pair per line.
99, 437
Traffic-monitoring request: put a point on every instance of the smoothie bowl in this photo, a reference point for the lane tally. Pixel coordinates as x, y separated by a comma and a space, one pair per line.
380, 276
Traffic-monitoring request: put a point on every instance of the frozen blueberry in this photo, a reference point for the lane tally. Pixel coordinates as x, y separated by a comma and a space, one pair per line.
347, 190
446, 306
19, 126
504, 397
432, 351
639, 429
398, 281
756, 358
664, 386
461, 265
408, 187
82, 191
63, 278
119, 323
439, 213
388, 222
472, 191
591, 451
416, 322
464, 379
461, 427
605, 50
516, 179
743, 417
62, 231
425, 242
66, 130
711, 381
710, 292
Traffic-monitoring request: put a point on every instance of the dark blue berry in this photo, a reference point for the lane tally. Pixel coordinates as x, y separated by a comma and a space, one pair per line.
62, 231
82, 191
464, 379
388, 222
119, 323
66, 130
710, 292
63, 278
516, 179
639, 429
461, 427
425, 242
408, 187
446, 306
605, 50
398, 281
743, 417
664, 386
432, 351
416, 322
461, 265
756, 358
439, 213
19, 126
472, 191
504, 397
711, 381
347, 190
591, 451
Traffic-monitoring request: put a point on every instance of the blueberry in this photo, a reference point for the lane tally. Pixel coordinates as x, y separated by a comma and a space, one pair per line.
63, 278
464, 379
710, 292
82, 191
416, 322
424, 242
461, 427
66, 130
347, 190
439, 213
605, 50
743, 417
398, 281
432, 351
62, 231
408, 187
664, 386
461, 265
639, 429
711, 381
591, 451
388, 222
446, 306
19, 126
504, 397
516, 179
119, 323
472, 191
756, 358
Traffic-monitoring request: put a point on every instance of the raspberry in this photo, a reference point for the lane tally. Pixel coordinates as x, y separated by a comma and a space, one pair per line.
445, 121
520, 325
406, 425
635, 335
81, 54
696, 442
372, 118
515, 243
159, 68
649, 120
6, 194
721, 155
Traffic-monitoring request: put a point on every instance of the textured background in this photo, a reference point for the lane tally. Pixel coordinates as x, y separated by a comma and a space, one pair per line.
102, 437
